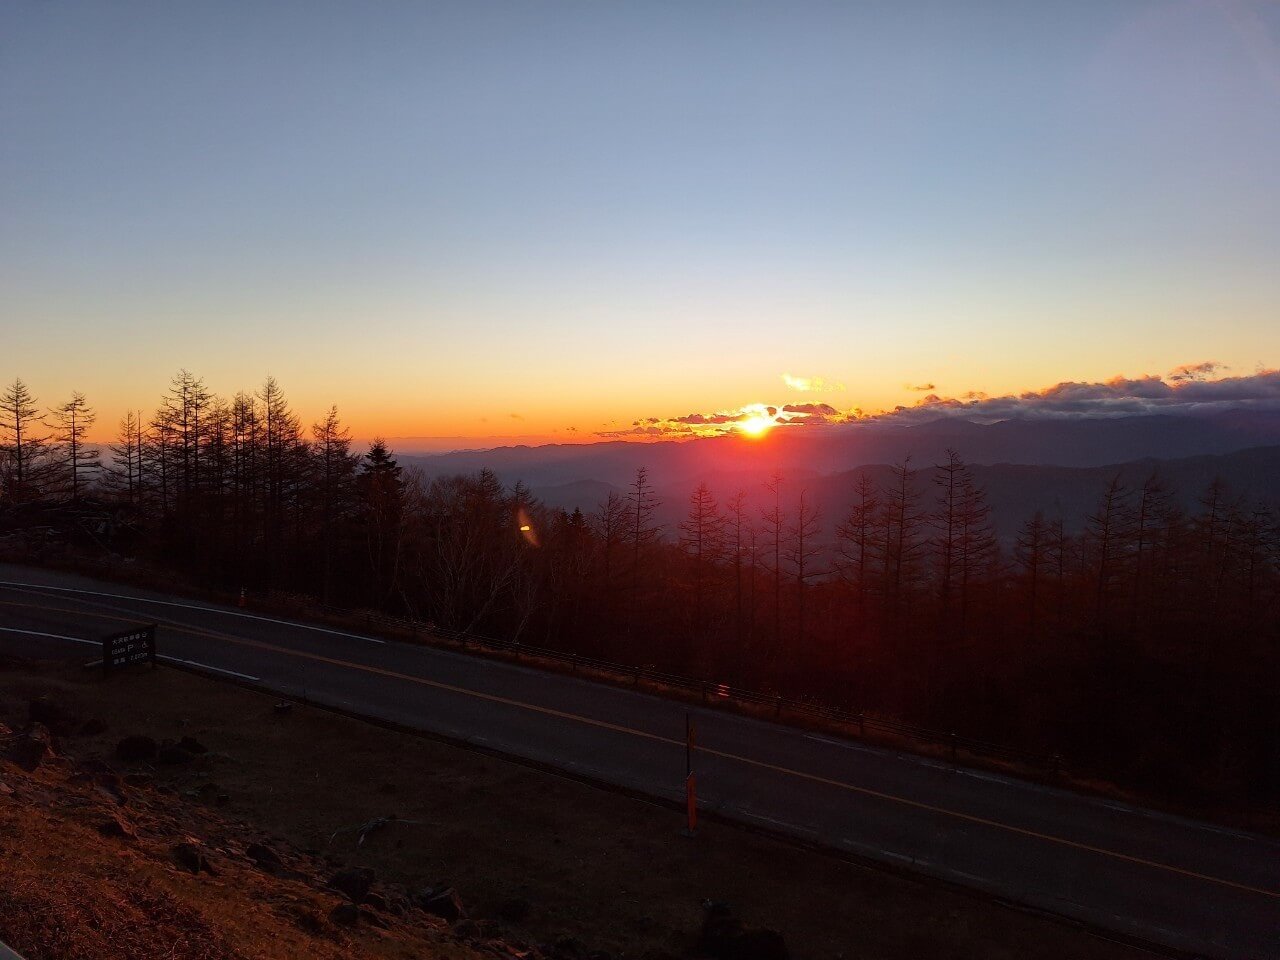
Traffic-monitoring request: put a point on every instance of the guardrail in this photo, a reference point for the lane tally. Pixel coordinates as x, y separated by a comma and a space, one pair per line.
710, 692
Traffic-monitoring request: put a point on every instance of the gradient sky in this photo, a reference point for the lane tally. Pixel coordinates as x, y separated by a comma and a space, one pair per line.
493, 219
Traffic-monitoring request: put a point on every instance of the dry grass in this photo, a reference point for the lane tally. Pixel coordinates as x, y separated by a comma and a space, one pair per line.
611, 871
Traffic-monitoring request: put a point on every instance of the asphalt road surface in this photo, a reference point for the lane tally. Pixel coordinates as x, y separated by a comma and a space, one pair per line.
1187, 885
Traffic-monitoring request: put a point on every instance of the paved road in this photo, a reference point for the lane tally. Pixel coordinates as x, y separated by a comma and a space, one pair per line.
1189, 885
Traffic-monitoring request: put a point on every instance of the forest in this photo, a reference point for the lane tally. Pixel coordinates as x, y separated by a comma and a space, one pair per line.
1144, 648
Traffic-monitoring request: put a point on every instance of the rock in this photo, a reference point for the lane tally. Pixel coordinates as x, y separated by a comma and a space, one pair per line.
31, 748
52, 714
375, 900
263, 857
173, 755
354, 882
722, 937
569, 948
514, 910
310, 920
136, 749
345, 915
466, 929
115, 827
192, 745
5, 789
92, 727
371, 917
758, 945
442, 902
282, 709
110, 786
191, 857
719, 929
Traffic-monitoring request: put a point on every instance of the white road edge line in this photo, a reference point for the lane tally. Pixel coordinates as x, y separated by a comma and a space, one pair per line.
192, 606
98, 643
205, 666
51, 636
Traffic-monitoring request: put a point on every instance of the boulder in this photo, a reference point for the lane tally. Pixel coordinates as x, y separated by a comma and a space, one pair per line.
136, 748
191, 857
724, 938
309, 919
92, 727
31, 748
759, 945
110, 786
719, 929
173, 755
192, 745
263, 857
345, 915
442, 902
354, 882
115, 827
514, 910
54, 715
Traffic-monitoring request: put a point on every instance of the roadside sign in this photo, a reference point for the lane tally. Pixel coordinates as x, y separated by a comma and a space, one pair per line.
128, 647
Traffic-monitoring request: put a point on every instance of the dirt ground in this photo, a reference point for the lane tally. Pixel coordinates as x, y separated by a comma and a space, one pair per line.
544, 857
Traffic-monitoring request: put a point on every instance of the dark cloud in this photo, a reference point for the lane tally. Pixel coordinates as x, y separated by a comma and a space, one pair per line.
1186, 390
1195, 371
706, 419
1119, 396
922, 388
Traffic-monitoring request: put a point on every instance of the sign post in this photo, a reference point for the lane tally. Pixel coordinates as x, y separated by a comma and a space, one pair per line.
128, 647
690, 781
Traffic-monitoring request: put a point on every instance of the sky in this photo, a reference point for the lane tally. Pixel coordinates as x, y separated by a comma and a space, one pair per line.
535, 221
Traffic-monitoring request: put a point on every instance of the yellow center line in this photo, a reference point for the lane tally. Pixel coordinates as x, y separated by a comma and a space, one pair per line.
631, 731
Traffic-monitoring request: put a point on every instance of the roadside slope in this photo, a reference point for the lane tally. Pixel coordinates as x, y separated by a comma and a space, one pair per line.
541, 859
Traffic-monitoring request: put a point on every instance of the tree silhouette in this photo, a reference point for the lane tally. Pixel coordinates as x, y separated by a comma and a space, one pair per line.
77, 464
24, 446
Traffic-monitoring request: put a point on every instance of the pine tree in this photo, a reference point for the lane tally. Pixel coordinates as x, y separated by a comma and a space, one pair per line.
24, 445
335, 471
775, 522
77, 464
802, 554
126, 457
381, 488
642, 535
702, 539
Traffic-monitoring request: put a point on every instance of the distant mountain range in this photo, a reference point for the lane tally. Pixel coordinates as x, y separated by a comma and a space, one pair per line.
1059, 466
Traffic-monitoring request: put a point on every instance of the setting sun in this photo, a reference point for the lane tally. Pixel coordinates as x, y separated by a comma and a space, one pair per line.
756, 426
